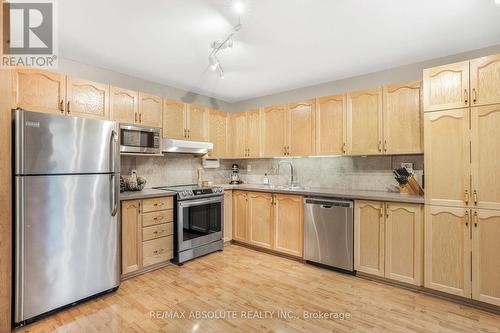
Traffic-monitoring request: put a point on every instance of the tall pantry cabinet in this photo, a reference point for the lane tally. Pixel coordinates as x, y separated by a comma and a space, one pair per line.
462, 178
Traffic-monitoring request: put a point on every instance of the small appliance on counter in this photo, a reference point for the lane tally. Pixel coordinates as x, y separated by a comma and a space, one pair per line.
235, 176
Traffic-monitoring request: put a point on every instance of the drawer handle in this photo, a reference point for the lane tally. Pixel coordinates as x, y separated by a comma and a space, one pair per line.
159, 251
158, 232
158, 204
158, 218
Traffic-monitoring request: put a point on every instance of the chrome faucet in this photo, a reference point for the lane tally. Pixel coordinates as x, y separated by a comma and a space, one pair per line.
291, 170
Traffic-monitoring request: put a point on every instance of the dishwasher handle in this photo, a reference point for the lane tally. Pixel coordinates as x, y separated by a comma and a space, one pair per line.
329, 203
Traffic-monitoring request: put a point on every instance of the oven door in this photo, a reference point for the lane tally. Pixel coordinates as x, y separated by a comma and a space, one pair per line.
199, 222
139, 139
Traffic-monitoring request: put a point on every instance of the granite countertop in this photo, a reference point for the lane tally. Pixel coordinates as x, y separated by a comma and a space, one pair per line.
145, 194
330, 192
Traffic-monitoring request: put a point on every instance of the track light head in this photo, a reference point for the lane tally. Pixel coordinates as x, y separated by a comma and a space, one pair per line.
214, 62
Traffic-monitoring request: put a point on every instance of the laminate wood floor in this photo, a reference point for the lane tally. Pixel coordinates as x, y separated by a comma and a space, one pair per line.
244, 286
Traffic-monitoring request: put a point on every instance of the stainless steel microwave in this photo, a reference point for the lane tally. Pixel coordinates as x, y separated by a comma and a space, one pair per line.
139, 139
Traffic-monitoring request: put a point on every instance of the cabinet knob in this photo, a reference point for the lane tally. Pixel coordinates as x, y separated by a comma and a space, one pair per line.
466, 97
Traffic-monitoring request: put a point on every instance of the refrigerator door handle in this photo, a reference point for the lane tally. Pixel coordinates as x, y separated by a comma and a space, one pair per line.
114, 196
113, 150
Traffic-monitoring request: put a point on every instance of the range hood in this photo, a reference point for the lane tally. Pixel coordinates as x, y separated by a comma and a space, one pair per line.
186, 147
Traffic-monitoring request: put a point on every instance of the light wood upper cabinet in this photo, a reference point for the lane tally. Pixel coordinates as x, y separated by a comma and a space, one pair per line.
228, 215
124, 105
447, 158
260, 219
274, 134
448, 250
174, 125
289, 224
253, 131
369, 237
301, 129
131, 236
150, 110
240, 216
218, 127
239, 134
196, 122
331, 125
37, 90
364, 112
86, 98
485, 136
485, 80
485, 256
404, 243
447, 87
403, 118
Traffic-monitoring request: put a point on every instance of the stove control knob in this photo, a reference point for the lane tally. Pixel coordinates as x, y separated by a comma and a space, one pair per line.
190, 193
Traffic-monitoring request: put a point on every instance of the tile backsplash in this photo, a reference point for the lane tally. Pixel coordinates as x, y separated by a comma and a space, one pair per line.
358, 172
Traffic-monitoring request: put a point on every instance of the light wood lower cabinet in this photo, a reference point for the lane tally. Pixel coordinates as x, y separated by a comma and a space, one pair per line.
131, 236
270, 221
288, 224
260, 218
389, 240
240, 216
228, 215
369, 237
486, 256
147, 234
448, 250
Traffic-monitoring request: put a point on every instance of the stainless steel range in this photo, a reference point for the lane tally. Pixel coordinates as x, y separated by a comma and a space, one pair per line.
199, 221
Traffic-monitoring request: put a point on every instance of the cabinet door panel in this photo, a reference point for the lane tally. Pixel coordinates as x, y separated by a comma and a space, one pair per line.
289, 225
447, 250
228, 216
486, 160
174, 125
274, 131
150, 110
218, 133
197, 121
403, 118
239, 134
485, 80
131, 236
485, 256
301, 128
253, 132
369, 237
365, 122
446, 87
87, 99
260, 219
40, 91
447, 160
124, 105
240, 216
404, 243
331, 125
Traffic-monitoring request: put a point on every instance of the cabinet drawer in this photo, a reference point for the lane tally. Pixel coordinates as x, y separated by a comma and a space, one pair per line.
155, 218
155, 204
157, 250
156, 231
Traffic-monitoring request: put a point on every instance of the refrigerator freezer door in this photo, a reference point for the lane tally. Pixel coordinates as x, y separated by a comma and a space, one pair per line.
67, 244
56, 144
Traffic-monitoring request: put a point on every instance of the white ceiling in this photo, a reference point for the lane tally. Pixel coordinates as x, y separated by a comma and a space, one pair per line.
284, 44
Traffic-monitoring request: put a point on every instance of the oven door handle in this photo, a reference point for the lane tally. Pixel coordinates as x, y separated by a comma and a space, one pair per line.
188, 203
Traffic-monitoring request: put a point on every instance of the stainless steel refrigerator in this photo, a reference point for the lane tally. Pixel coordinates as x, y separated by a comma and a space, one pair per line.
66, 204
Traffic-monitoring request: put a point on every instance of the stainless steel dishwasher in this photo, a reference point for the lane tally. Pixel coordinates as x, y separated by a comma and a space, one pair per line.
329, 233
